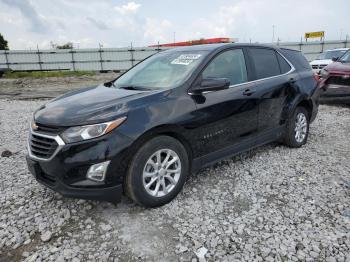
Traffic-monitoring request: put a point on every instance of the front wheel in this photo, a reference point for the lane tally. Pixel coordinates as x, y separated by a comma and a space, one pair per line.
157, 172
297, 128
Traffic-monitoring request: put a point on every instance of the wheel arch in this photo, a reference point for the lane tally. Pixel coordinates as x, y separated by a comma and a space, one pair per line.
299, 101
307, 104
173, 131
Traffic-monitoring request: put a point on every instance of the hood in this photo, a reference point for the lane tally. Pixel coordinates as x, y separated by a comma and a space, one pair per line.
89, 106
321, 62
339, 67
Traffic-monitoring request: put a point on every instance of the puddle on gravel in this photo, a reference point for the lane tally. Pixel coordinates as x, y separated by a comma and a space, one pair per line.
146, 236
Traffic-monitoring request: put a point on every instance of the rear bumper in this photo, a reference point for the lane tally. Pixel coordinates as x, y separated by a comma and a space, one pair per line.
111, 194
315, 99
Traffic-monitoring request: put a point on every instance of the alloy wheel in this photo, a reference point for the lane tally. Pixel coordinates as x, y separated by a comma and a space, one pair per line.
300, 127
161, 172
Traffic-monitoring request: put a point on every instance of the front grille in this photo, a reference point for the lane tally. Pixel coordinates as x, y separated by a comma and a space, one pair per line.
318, 66
338, 80
42, 147
49, 129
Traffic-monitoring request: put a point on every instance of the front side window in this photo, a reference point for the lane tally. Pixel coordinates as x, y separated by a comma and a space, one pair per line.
229, 64
265, 62
164, 70
331, 54
345, 58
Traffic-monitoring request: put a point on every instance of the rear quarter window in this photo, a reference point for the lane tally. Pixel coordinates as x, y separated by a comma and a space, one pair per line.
297, 59
285, 67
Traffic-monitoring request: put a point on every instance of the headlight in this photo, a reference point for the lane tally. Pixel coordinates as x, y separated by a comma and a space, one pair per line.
80, 133
324, 73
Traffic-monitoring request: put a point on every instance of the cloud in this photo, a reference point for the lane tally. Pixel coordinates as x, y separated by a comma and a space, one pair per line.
97, 23
129, 8
157, 30
28, 11
117, 23
231, 20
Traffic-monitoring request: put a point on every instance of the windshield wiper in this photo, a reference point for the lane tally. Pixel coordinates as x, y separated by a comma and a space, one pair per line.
134, 88
126, 87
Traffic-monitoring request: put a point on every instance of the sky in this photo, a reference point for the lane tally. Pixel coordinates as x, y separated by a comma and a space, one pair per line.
27, 24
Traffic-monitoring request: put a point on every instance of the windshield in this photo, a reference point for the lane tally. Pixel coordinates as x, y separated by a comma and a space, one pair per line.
164, 70
345, 58
331, 54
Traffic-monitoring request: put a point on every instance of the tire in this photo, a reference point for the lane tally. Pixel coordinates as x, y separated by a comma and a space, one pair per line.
291, 138
144, 168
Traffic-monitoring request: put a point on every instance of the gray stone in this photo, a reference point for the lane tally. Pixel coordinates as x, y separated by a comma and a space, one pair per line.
46, 236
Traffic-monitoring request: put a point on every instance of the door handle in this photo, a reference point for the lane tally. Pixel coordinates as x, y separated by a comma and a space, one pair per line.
248, 92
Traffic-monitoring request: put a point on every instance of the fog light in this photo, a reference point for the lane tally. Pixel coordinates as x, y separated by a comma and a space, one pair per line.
97, 172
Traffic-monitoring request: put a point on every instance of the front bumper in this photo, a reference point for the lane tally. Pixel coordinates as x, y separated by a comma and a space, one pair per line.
316, 71
111, 194
65, 172
336, 94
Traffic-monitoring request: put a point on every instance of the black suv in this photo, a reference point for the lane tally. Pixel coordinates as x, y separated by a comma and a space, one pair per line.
172, 114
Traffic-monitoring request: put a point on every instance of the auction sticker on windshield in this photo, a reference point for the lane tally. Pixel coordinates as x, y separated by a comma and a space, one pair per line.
185, 59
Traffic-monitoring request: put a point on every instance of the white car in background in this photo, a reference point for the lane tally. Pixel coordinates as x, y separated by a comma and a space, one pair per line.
326, 58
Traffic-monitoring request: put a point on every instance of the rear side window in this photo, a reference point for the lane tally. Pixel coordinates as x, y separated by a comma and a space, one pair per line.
265, 62
229, 64
285, 67
297, 59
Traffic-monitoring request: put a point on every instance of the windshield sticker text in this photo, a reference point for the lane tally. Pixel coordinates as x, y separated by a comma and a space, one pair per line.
185, 59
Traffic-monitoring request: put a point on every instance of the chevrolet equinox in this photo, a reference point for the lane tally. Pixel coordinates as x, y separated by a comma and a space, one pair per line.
172, 114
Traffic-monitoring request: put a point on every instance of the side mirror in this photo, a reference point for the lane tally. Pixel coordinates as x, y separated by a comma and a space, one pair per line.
212, 84
335, 58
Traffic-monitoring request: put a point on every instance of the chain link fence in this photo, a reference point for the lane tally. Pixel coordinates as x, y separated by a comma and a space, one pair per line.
117, 59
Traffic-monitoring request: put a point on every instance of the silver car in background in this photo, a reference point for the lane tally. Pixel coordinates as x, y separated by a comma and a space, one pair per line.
326, 58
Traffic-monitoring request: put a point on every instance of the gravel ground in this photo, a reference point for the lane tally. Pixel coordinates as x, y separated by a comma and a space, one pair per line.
270, 204
50, 87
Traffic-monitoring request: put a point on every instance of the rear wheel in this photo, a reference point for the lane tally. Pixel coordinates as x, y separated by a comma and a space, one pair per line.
157, 172
297, 128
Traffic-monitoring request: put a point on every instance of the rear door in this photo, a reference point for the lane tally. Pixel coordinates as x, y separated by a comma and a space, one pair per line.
225, 117
274, 77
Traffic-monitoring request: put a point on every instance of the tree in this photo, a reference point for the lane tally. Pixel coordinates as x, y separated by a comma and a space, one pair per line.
68, 45
3, 43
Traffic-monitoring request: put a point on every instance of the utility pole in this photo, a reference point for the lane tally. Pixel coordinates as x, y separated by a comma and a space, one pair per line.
346, 40
174, 37
341, 33
100, 51
39, 58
